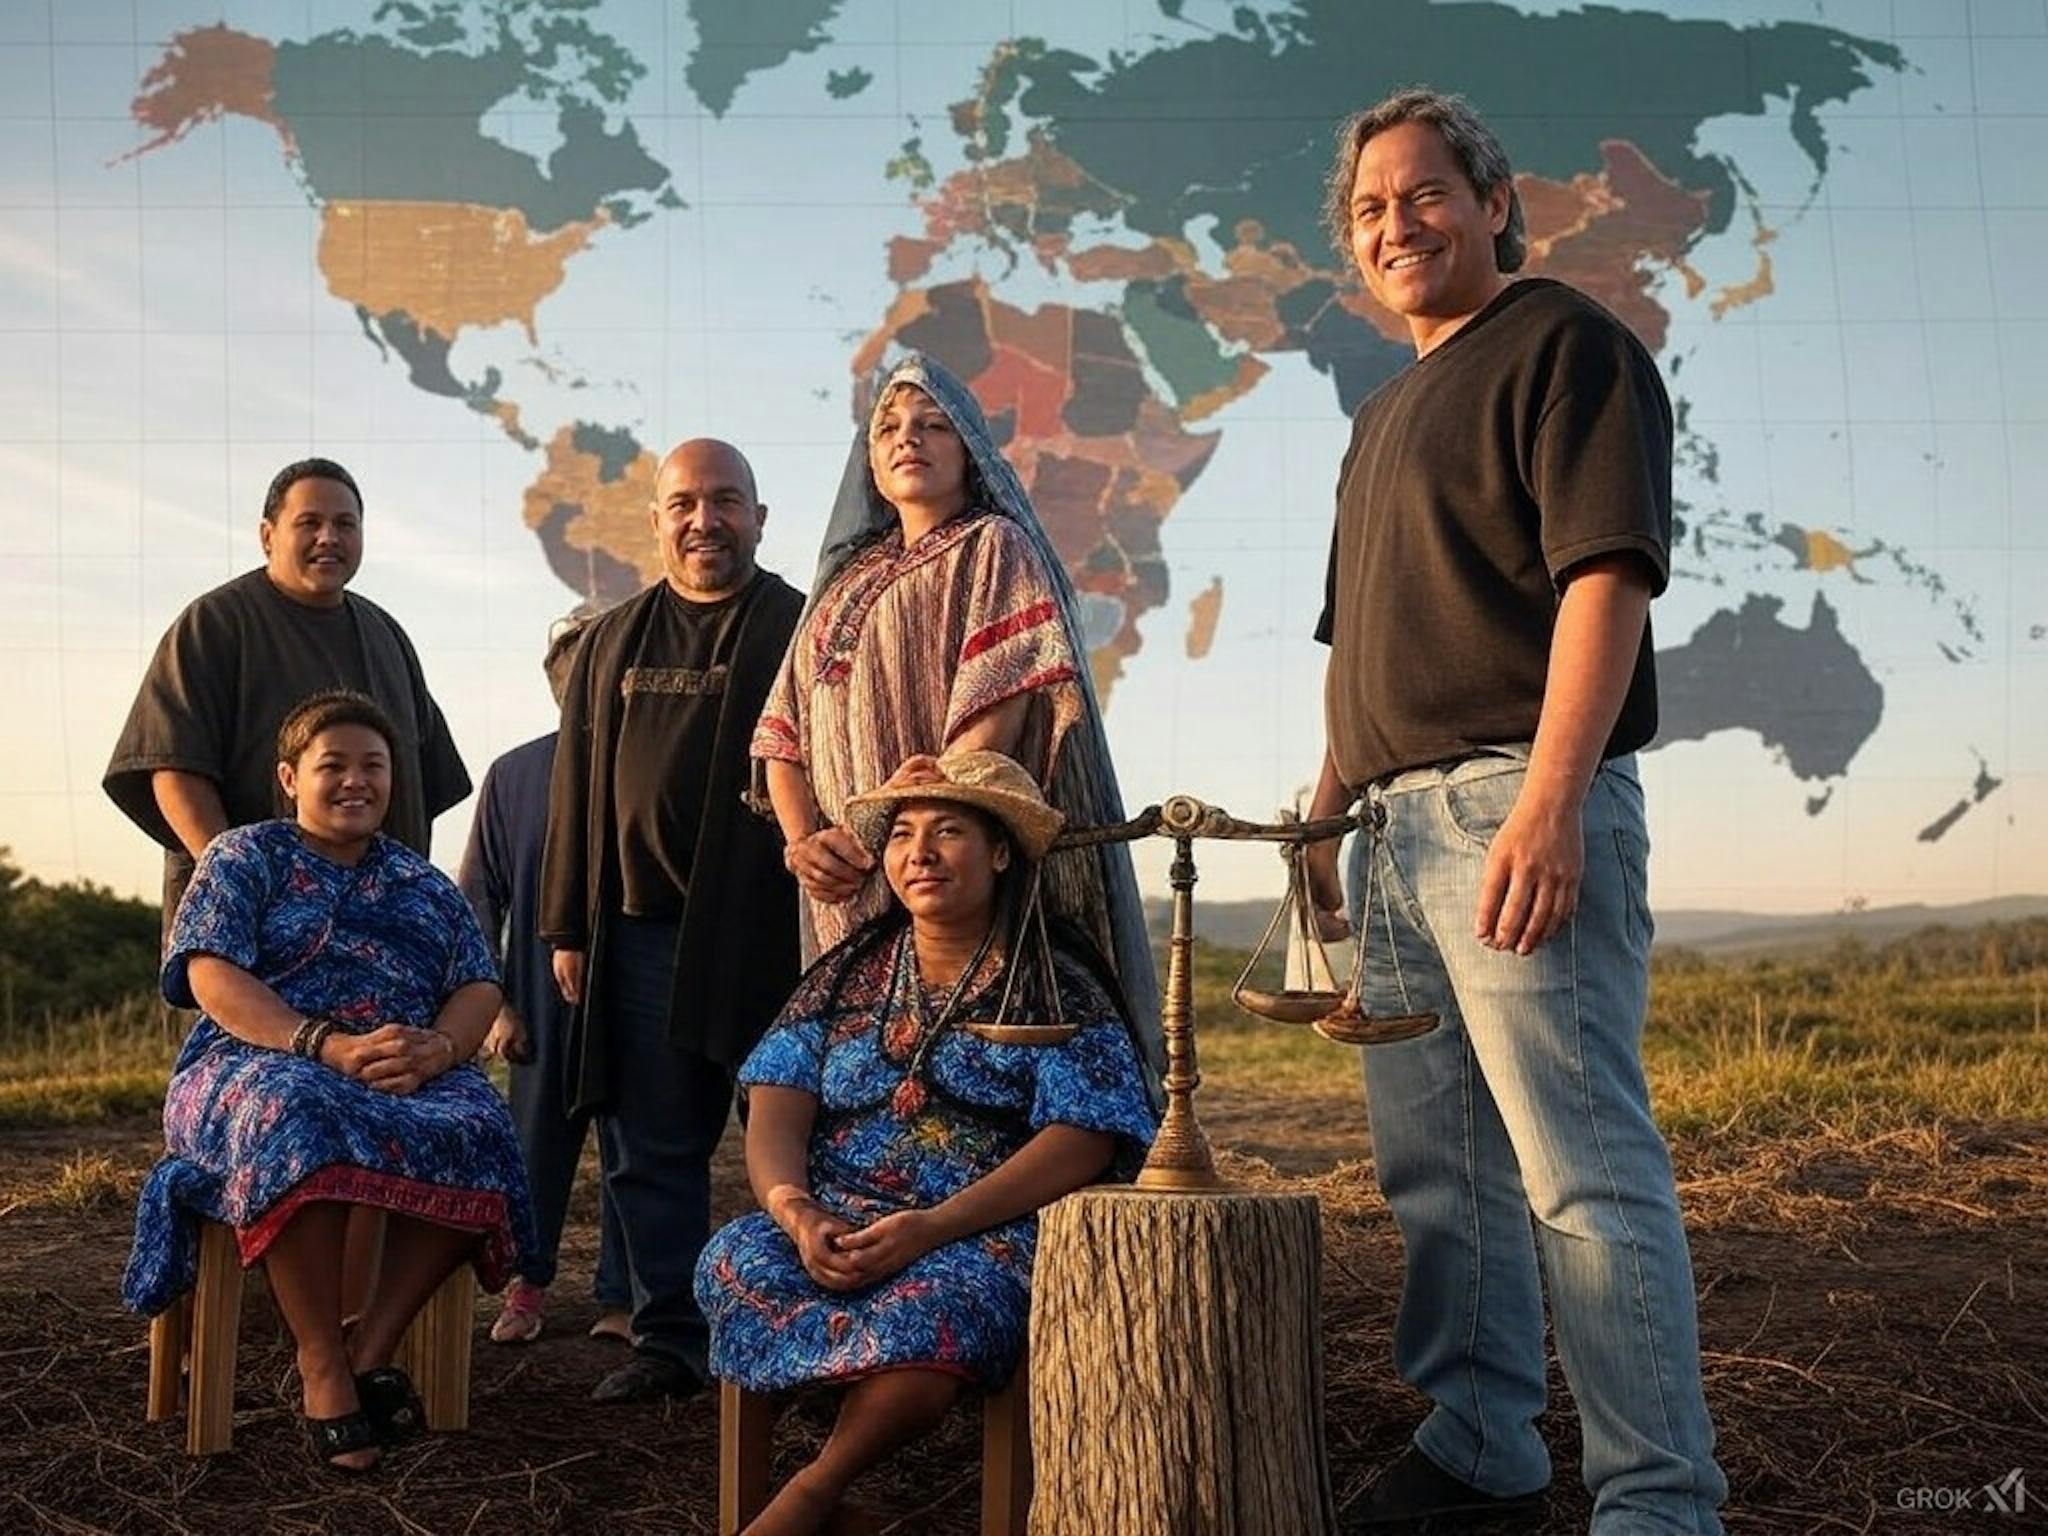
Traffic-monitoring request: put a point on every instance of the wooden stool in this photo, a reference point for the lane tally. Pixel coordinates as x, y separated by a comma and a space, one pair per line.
208, 1323
746, 1426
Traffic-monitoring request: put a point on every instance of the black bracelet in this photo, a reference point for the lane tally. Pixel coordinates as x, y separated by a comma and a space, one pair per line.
310, 1035
322, 1028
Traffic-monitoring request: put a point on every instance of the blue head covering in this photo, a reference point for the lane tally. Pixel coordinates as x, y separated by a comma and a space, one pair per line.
860, 516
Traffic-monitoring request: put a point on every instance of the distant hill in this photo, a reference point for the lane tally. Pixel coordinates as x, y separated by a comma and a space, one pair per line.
1727, 933
1226, 924
1238, 924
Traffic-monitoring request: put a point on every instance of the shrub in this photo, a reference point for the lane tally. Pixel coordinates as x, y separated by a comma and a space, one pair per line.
70, 949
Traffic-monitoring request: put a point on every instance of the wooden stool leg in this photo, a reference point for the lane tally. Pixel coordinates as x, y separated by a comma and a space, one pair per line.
746, 1430
168, 1331
435, 1351
1006, 1458
216, 1327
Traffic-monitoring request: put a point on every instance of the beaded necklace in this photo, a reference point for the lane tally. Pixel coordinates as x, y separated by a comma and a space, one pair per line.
914, 1091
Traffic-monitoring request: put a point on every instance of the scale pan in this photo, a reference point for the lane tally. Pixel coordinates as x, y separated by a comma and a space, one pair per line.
1294, 1005
1024, 1034
1349, 1026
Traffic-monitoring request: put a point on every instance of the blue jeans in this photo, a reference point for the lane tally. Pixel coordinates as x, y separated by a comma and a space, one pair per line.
668, 1110
1529, 1101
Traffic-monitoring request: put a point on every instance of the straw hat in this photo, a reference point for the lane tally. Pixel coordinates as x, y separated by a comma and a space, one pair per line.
988, 781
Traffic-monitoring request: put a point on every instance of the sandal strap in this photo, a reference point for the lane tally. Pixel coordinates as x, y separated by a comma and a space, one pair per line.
389, 1398
338, 1436
385, 1380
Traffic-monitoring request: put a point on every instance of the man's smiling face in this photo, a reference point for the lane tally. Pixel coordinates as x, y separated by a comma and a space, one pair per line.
315, 544
1420, 232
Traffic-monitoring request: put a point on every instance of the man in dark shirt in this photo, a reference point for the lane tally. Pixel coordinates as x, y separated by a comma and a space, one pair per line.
1503, 520
664, 898
198, 753
501, 877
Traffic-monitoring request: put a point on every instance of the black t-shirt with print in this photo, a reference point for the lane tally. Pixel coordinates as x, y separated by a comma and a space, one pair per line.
668, 725
1534, 438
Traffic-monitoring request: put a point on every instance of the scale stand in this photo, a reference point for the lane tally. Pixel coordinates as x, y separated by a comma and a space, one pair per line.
1181, 1157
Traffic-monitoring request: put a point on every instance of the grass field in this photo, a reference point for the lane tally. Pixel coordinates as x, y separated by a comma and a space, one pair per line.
1853, 1044
76, 1071
1861, 1142
1764, 1048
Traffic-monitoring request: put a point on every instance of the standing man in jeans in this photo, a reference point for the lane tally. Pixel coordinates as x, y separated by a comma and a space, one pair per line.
663, 895
1503, 520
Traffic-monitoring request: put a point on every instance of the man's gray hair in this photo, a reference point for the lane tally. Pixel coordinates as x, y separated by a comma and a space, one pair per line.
1479, 153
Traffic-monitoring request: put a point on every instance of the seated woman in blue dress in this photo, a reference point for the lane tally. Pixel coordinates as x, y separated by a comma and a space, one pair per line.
900, 1148
343, 986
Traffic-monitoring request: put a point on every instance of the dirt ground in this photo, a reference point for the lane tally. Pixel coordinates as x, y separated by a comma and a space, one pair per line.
1872, 1316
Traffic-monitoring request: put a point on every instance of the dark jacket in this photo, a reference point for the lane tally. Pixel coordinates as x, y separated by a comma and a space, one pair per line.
736, 946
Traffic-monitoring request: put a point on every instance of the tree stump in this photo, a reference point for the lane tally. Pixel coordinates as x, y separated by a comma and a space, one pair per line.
1176, 1366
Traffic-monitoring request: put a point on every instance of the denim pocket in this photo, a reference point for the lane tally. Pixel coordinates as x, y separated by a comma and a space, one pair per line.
1635, 898
1631, 854
1478, 796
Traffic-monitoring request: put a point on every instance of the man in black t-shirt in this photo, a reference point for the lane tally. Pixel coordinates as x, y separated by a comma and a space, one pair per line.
198, 753
663, 897
1503, 520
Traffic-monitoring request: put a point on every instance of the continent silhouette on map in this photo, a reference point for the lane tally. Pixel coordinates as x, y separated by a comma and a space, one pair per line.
1805, 692
428, 225
1981, 789
738, 40
589, 507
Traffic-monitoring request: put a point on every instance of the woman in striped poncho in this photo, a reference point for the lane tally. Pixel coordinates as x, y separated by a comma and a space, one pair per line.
941, 620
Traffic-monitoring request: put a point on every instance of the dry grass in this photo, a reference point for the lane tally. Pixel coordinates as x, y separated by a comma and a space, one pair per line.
1753, 1049
1869, 1310
1862, 1158
1869, 1313
85, 1181
1765, 1048
82, 1098
104, 1066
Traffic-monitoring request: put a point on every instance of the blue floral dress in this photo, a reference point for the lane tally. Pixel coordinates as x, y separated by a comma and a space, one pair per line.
908, 1115
251, 1135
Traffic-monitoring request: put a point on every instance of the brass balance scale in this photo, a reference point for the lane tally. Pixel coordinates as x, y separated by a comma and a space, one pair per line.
1181, 1159
1337, 1015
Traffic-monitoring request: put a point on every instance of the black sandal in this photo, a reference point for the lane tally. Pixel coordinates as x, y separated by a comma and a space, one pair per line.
329, 1438
392, 1406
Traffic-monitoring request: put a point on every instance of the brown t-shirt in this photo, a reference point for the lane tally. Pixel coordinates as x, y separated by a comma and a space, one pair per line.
1536, 437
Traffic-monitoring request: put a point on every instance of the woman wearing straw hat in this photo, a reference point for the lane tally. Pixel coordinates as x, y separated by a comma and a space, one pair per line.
901, 1137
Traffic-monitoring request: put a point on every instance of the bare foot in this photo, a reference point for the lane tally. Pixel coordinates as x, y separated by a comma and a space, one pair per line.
330, 1392
617, 1323
800, 1508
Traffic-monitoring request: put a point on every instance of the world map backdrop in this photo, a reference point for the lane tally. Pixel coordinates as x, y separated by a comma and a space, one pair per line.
497, 256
